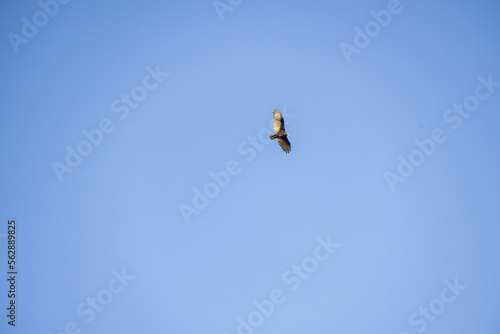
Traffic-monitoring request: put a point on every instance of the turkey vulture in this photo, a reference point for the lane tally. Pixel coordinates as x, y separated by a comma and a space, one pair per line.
279, 128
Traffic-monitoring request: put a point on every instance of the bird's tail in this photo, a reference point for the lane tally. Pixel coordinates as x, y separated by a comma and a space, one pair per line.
273, 137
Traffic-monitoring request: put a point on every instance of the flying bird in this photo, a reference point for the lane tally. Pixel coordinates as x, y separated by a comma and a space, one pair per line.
279, 128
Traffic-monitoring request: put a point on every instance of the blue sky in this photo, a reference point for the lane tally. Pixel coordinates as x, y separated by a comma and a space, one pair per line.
116, 116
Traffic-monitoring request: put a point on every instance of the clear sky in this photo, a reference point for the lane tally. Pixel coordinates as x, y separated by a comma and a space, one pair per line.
148, 198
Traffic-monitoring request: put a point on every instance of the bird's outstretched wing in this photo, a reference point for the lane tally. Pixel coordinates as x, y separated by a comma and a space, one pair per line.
279, 122
285, 144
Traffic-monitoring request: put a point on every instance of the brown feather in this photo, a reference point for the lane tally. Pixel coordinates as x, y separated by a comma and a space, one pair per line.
279, 128
285, 144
